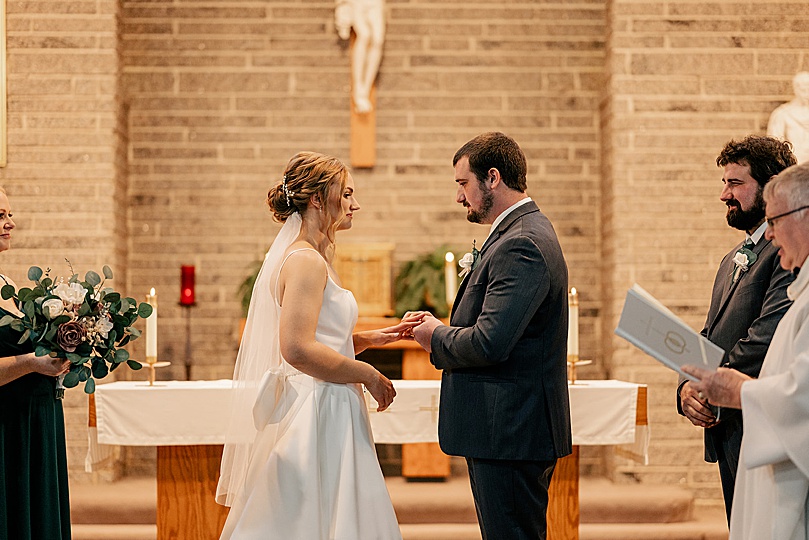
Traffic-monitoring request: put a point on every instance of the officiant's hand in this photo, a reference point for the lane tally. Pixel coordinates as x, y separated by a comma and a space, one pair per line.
694, 408
423, 333
722, 387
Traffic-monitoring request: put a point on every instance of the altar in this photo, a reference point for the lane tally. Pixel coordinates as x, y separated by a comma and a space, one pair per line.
187, 421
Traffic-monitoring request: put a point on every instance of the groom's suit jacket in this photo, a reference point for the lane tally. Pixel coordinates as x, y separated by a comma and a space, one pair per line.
504, 386
741, 320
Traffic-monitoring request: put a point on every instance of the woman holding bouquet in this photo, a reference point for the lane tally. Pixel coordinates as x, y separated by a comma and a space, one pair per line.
299, 461
33, 464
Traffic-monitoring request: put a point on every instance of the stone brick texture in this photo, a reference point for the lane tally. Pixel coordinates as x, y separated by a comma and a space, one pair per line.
145, 135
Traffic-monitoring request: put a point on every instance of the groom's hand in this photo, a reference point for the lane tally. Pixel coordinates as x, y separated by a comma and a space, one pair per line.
423, 333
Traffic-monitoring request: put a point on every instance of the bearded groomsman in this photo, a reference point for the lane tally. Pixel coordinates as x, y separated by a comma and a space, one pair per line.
749, 295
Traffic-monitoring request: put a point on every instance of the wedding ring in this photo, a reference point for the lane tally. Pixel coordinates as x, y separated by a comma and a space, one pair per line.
700, 395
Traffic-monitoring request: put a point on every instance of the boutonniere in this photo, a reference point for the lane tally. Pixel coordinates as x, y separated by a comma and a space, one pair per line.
743, 260
469, 261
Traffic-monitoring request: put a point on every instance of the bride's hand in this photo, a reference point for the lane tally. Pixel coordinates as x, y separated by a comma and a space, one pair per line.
381, 389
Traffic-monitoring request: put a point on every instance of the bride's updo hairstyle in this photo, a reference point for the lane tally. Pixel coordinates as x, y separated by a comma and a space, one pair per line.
307, 174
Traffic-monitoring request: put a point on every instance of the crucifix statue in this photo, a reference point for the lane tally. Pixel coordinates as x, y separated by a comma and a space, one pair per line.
367, 19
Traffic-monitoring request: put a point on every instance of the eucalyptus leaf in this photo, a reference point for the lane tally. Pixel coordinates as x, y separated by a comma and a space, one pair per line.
51, 333
84, 373
25, 336
92, 278
60, 320
34, 273
29, 309
74, 358
7, 292
145, 310
71, 380
121, 355
125, 305
17, 325
47, 282
134, 332
133, 365
100, 369
125, 340
89, 386
107, 272
112, 297
41, 350
7, 320
24, 294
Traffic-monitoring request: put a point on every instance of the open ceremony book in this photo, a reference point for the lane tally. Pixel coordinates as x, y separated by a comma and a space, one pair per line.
653, 328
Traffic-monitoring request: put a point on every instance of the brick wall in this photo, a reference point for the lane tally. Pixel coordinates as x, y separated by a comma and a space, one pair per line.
66, 151
147, 139
685, 77
220, 97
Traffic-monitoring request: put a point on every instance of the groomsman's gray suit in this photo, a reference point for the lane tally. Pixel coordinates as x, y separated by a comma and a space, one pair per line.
504, 399
741, 320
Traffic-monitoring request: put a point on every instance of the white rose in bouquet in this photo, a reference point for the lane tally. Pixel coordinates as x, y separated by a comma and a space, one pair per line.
71, 293
103, 326
53, 308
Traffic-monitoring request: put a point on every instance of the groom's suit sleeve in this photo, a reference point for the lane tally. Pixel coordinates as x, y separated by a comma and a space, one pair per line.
516, 284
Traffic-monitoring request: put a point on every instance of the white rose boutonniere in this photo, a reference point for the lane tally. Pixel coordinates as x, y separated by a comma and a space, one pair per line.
743, 259
469, 261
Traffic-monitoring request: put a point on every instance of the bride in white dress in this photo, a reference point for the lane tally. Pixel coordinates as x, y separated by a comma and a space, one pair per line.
299, 461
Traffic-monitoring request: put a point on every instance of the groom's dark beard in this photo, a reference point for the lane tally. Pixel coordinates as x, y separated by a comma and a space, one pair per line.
486, 204
744, 220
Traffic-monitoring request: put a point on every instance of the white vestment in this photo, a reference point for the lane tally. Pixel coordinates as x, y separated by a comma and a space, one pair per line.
770, 501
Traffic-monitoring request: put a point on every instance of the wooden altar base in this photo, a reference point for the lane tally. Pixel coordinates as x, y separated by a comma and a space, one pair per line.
186, 488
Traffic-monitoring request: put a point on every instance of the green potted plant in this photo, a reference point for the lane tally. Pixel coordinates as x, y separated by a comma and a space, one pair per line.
420, 284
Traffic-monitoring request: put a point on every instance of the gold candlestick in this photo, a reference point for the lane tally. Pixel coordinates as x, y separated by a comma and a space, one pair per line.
573, 359
151, 365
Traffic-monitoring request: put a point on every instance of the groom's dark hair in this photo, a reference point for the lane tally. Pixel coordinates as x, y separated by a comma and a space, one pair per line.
495, 150
766, 156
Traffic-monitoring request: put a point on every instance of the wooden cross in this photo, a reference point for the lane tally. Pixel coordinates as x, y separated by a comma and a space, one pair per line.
363, 130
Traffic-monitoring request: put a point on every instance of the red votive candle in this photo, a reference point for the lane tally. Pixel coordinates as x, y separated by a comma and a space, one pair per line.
186, 285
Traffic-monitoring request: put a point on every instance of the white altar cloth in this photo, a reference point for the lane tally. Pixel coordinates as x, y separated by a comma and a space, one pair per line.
197, 412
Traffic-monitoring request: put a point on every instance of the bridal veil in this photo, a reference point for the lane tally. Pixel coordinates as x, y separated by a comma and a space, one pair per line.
258, 361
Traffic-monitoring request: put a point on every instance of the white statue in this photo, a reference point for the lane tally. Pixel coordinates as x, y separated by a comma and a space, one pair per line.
367, 17
790, 121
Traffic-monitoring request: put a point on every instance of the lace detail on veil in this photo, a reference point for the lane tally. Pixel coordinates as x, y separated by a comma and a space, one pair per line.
259, 366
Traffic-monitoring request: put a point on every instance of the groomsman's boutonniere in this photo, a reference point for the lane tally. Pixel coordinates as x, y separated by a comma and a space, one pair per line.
469, 261
743, 260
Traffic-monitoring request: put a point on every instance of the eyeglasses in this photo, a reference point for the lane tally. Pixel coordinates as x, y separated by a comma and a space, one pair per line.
771, 221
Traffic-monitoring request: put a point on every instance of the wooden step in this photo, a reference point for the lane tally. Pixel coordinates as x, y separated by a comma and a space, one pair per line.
113, 532
131, 500
602, 501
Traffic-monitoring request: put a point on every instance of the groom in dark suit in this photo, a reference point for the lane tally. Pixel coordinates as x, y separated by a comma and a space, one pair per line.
749, 295
504, 401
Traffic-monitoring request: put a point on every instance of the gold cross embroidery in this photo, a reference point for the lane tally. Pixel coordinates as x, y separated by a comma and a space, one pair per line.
433, 408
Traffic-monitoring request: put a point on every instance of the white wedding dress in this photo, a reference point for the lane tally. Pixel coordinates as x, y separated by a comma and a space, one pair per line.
313, 472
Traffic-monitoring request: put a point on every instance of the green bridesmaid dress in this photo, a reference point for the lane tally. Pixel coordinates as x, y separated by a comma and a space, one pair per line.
34, 502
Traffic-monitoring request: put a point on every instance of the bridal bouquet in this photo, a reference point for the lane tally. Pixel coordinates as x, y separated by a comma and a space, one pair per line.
82, 321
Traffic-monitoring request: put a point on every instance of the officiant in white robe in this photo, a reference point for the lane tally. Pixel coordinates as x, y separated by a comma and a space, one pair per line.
771, 499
